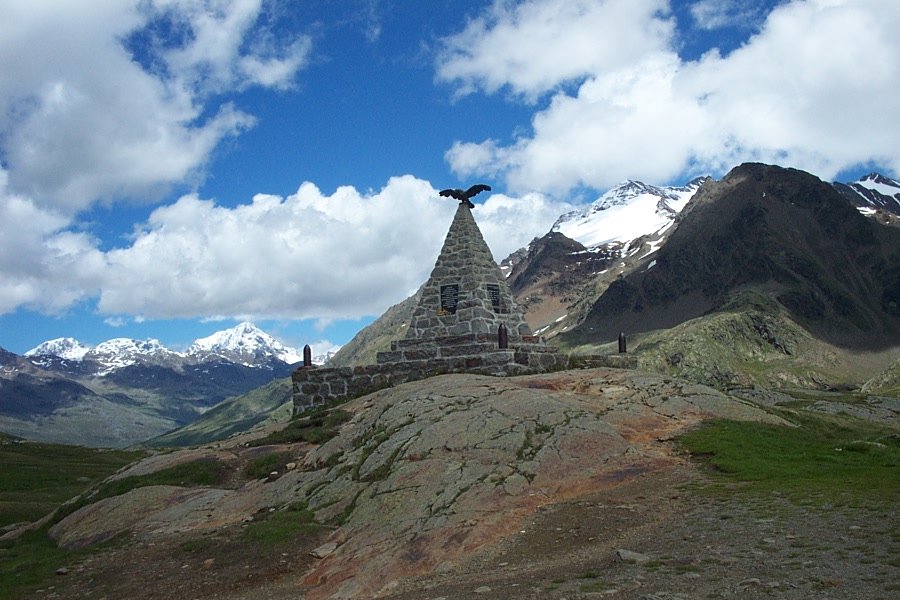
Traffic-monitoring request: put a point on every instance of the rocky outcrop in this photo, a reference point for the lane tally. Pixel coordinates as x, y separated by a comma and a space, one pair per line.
428, 472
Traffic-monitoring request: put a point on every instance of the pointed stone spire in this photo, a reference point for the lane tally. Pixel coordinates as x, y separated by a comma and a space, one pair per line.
466, 293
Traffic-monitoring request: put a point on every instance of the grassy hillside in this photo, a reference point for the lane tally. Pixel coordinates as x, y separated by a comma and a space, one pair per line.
886, 383
751, 341
235, 415
36, 478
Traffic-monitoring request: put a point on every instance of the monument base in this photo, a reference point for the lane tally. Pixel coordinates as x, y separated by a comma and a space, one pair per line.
413, 360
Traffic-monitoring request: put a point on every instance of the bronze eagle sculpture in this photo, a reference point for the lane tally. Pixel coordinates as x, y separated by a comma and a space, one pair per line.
464, 196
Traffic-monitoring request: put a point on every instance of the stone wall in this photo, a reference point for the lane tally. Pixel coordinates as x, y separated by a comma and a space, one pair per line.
317, 386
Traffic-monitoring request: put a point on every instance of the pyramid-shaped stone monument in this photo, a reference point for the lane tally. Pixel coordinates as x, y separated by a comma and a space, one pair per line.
466, 293
466, 321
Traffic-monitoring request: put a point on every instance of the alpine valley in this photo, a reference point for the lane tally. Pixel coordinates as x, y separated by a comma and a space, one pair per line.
768, 277
762, 312
125, 391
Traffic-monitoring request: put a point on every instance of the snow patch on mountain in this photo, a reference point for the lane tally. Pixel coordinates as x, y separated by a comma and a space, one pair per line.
67, 348
626, 212
871, 193
245, 342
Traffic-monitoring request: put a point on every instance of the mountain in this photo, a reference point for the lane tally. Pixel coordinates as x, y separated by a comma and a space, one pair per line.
872, 192
66, 348
769, 272
267, 404
781, 232
124, 391
245, 344
626, 212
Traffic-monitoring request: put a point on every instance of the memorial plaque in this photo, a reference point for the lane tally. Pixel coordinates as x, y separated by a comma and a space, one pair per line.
449, 298
494, 295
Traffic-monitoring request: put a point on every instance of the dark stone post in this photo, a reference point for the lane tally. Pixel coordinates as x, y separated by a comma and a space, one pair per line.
307, 357
502, 337
622, 344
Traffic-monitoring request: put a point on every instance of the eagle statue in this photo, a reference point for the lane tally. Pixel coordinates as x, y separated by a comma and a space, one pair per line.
464, 196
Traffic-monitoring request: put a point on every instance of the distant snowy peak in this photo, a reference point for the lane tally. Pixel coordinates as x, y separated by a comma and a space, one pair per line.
872, 192
626, 212
67, 348
129, 347
245, 343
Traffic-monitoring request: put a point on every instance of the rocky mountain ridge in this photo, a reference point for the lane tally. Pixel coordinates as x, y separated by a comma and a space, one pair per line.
872, 192
244, 344
124, 391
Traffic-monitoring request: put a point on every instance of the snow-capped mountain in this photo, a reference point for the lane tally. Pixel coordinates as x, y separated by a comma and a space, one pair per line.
872, 192
626, 212
67, 348
244, 343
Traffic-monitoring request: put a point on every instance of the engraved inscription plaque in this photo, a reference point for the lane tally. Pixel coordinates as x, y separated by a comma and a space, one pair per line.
494, 294
449, 298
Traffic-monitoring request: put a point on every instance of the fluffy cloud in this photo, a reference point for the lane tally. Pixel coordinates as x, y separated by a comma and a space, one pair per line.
814, 89
305, 256
536, 45
43, 265
82, 118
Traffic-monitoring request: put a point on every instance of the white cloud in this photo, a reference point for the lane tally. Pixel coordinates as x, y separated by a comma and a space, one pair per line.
509, 223
305, 256
81, 119
535, 46
814, 89
43, 266
716, 14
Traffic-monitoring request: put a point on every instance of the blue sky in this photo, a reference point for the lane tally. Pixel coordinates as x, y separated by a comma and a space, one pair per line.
170, 167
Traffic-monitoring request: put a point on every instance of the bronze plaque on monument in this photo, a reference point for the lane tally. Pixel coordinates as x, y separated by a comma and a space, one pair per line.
449, 298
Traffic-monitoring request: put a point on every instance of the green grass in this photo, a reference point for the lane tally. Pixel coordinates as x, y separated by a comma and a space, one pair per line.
281, 526
315, 428
201, 472
826, 459
262, 466
37, 478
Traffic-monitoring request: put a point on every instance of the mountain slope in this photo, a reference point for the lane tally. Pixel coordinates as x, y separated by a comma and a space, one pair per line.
780, 231
626, 212
238, 414
124, 391
872, 192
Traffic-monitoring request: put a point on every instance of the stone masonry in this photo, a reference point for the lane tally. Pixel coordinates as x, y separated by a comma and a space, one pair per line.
454, 329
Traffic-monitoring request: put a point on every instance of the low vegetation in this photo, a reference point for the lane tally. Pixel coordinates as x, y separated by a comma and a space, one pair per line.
314, 427
36, 479
824, 460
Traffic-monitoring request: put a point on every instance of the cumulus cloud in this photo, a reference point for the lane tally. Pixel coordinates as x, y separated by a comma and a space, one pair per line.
82, 118
510, 223
304, 256
536, 45
43, 265
815, 88
308, 255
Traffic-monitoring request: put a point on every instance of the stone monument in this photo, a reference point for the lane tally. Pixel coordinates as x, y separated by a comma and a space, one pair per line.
466, 321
